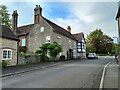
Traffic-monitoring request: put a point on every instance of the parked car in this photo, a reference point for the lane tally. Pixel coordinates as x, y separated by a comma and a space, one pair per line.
92, 56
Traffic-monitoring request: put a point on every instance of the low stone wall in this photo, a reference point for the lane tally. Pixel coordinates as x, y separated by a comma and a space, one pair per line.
23, 59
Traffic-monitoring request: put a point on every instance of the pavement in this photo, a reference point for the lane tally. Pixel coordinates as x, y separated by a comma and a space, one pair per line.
112, 75
13, 70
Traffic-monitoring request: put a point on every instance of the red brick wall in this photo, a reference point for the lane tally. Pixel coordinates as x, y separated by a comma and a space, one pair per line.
23, 37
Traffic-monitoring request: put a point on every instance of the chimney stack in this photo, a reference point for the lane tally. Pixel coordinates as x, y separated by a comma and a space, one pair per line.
14, 21
37, 14
69, 29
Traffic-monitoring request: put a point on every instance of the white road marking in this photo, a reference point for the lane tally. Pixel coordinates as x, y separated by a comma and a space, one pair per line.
103, 75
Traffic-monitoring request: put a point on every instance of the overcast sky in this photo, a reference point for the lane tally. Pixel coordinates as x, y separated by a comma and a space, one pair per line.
81, 16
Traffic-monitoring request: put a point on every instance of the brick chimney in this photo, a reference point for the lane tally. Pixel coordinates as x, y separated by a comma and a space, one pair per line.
14, 21
37, 14
69, 29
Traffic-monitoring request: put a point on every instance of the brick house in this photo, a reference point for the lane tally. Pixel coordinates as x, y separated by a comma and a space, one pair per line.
9, 43
81, 45
44, 31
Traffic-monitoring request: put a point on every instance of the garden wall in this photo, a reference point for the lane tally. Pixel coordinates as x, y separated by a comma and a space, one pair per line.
24, 59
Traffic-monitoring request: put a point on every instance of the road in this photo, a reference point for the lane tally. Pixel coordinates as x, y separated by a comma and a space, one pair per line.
78, 74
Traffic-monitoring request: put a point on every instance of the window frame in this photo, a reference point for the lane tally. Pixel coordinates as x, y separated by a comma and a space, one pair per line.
24, 42
42, 29
46, 41
59, 40
6, 54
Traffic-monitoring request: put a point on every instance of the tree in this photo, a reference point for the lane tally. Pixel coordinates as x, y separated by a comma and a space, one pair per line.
98, 42
43, 51
4, 16
115, 48
53, 49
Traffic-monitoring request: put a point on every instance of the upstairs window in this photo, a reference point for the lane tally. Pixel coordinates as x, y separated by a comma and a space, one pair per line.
79, 43
59, 39
79, 50
42, 29
69, 43
23, 42
74, 44
7, 54
47, 39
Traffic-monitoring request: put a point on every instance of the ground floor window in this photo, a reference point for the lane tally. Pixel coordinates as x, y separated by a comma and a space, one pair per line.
7, 54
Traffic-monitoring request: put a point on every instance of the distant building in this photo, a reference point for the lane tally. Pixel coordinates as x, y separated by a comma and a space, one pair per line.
81, 45
44, 31
8, 49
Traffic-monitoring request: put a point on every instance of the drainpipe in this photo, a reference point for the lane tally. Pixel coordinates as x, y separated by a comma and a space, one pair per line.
17, 51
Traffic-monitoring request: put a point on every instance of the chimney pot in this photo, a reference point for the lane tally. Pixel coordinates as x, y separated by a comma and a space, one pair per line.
69, 29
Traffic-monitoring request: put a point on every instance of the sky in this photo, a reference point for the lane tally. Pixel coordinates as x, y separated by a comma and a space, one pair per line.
81, 16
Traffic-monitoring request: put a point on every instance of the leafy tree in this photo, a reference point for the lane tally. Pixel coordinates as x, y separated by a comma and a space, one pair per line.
98, 42
52, 49
4, 16
43, 51
115, 48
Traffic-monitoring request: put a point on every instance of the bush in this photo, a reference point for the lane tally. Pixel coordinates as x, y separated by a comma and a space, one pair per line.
21, 53
4, 63
44, 58
62, 57
26, 56
22, 49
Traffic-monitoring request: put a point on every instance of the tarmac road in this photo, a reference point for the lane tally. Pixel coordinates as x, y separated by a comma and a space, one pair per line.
78, 74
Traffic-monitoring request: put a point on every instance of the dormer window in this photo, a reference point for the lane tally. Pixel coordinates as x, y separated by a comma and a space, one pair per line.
42, 29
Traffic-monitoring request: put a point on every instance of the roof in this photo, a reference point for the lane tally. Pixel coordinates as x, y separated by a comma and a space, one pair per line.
118, 13
79, 36
24, 30
6, 32
60, 30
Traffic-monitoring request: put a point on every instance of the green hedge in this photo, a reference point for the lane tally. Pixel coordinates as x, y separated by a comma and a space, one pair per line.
3, 64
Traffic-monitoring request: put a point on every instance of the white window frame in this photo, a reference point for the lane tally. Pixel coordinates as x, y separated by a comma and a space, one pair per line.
47, 41
7, 54
42, 29
75, 45
70, 43
80, 50
79, 43
59, 40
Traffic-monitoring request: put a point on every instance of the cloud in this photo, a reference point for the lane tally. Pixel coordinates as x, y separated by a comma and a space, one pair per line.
90, 16
81, 16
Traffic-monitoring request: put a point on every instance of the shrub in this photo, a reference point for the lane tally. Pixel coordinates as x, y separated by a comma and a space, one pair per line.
26, 56
22, 49
62, 57
4, 63
21, 53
